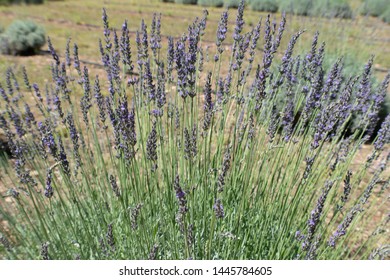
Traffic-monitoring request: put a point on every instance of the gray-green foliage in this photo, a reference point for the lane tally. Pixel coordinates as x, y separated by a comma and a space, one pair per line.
211, 3
323, 8
22, 38
264, 5
374, 7
331, 8
183, 1
7, 2
386, 15
296, 7
231, 3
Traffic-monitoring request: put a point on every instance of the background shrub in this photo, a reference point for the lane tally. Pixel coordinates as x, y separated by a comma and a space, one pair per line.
22, 38
231, 3
331, 8
264, 5
211, 3
184, 1
6, 2
374, 7
33, 1
296, 7
386, 15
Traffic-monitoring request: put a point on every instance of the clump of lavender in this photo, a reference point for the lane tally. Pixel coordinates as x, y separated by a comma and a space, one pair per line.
252, 136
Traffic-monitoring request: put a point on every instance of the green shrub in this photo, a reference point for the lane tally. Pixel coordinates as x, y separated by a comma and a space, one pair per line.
34, 1
7, 2
22, 38
386, 16
231, 3
374, 7
327, 8
296, 7
264, 5
211, 3
184, 1
331, 8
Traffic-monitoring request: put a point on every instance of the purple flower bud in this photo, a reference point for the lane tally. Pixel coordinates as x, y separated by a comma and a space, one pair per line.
218, 209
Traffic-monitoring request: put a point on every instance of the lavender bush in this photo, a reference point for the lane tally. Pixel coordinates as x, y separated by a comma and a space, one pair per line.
194, 152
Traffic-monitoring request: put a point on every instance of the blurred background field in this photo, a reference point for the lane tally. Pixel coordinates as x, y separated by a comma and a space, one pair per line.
356, 39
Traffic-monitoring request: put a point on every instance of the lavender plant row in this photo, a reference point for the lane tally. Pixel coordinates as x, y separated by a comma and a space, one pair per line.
197, 152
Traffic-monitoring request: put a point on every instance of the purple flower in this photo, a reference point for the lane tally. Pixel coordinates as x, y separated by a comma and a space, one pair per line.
347, 186
67, 53
106, 31
155, 38
224, 170
364, 88
125, 47
343, 226
170, 58
383, 136
239, 21
110, 237
160, 94
62, 157
288, 117
52, 51
288, 53
218, 209
149, 85
316, 215
221, 31
208, 103
180, 195
49, 189
100, 102
74, 136
76, 59
4, 94
86, 99
25, 78
151, 147
114, 186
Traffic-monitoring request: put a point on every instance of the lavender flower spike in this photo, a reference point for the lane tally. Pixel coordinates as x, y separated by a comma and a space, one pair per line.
218, 209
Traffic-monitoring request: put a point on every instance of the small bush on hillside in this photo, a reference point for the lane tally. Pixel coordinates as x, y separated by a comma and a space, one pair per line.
22, 38
264, 5
184, 1
331, 8
7, 2
296, 7
386, 16
211, 3
374, 7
